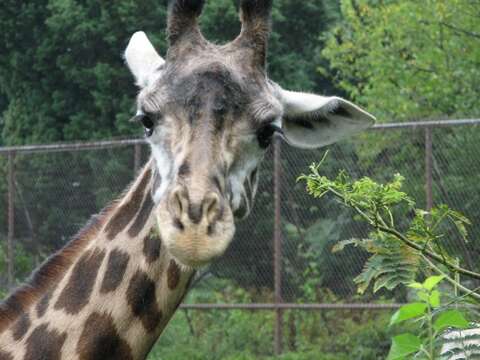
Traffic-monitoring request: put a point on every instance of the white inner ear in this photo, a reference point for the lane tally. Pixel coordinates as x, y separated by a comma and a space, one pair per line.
299, 103
312, 121
142, 59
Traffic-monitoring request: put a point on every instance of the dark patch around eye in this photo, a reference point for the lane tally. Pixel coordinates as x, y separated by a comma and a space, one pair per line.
147, 122
265, 135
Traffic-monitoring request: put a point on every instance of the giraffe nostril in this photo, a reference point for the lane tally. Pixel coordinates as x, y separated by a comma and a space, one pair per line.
178, 202
211, 206
181, 204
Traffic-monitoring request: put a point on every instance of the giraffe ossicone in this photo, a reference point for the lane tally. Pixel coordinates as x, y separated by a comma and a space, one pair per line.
209, 112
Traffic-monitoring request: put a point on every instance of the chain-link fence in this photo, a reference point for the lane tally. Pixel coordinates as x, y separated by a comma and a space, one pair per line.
281, 256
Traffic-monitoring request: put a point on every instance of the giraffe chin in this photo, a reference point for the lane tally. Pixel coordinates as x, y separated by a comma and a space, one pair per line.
196, 245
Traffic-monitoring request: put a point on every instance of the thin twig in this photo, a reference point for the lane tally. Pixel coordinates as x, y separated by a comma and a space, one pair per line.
467, 291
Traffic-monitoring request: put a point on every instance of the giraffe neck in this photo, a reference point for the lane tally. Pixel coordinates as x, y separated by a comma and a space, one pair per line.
108, 294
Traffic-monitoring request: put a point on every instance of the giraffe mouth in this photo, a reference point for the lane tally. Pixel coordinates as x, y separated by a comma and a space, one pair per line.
195, 242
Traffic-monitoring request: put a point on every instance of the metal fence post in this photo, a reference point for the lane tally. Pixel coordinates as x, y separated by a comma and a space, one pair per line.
277, 248
137, 157
11, 219
429, 168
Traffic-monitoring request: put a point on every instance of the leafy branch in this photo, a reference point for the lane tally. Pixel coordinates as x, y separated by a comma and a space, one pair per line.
396, 254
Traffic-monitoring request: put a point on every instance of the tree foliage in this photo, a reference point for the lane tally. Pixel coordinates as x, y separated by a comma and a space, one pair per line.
62, 75
407, 59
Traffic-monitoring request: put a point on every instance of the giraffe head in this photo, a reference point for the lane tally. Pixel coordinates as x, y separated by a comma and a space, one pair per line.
209, 113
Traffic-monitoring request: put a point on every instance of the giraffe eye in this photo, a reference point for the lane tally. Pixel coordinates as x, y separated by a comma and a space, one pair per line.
148, 124
265, 135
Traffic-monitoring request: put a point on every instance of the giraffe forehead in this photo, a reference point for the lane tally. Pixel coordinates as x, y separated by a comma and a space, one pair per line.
205, 82
214, 88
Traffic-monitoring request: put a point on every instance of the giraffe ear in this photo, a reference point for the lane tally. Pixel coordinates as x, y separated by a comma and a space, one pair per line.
312, 121
142, 59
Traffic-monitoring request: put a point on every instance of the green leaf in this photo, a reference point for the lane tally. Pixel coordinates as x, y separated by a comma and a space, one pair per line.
460, 221
415, 285
403, 345
424, 296
432, 281
408, 311
434, 299
451, 318
340, 246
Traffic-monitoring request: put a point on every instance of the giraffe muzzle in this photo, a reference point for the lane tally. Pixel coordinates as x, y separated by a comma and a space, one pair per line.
199, 227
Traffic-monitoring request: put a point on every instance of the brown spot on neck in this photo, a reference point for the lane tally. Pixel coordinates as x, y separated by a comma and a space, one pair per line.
143, 301
42, 305
126, 212
21, 327
76, 293
45, 344
142, 216
5, 356
117, 265
100, 340
173, 275
151, 248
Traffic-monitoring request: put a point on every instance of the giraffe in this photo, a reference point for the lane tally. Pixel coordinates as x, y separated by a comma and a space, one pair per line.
209, 113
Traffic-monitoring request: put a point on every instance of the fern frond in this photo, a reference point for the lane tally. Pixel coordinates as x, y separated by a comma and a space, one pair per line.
391, 264
387, 271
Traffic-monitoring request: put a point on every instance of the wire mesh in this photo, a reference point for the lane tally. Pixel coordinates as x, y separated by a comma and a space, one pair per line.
56, 192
